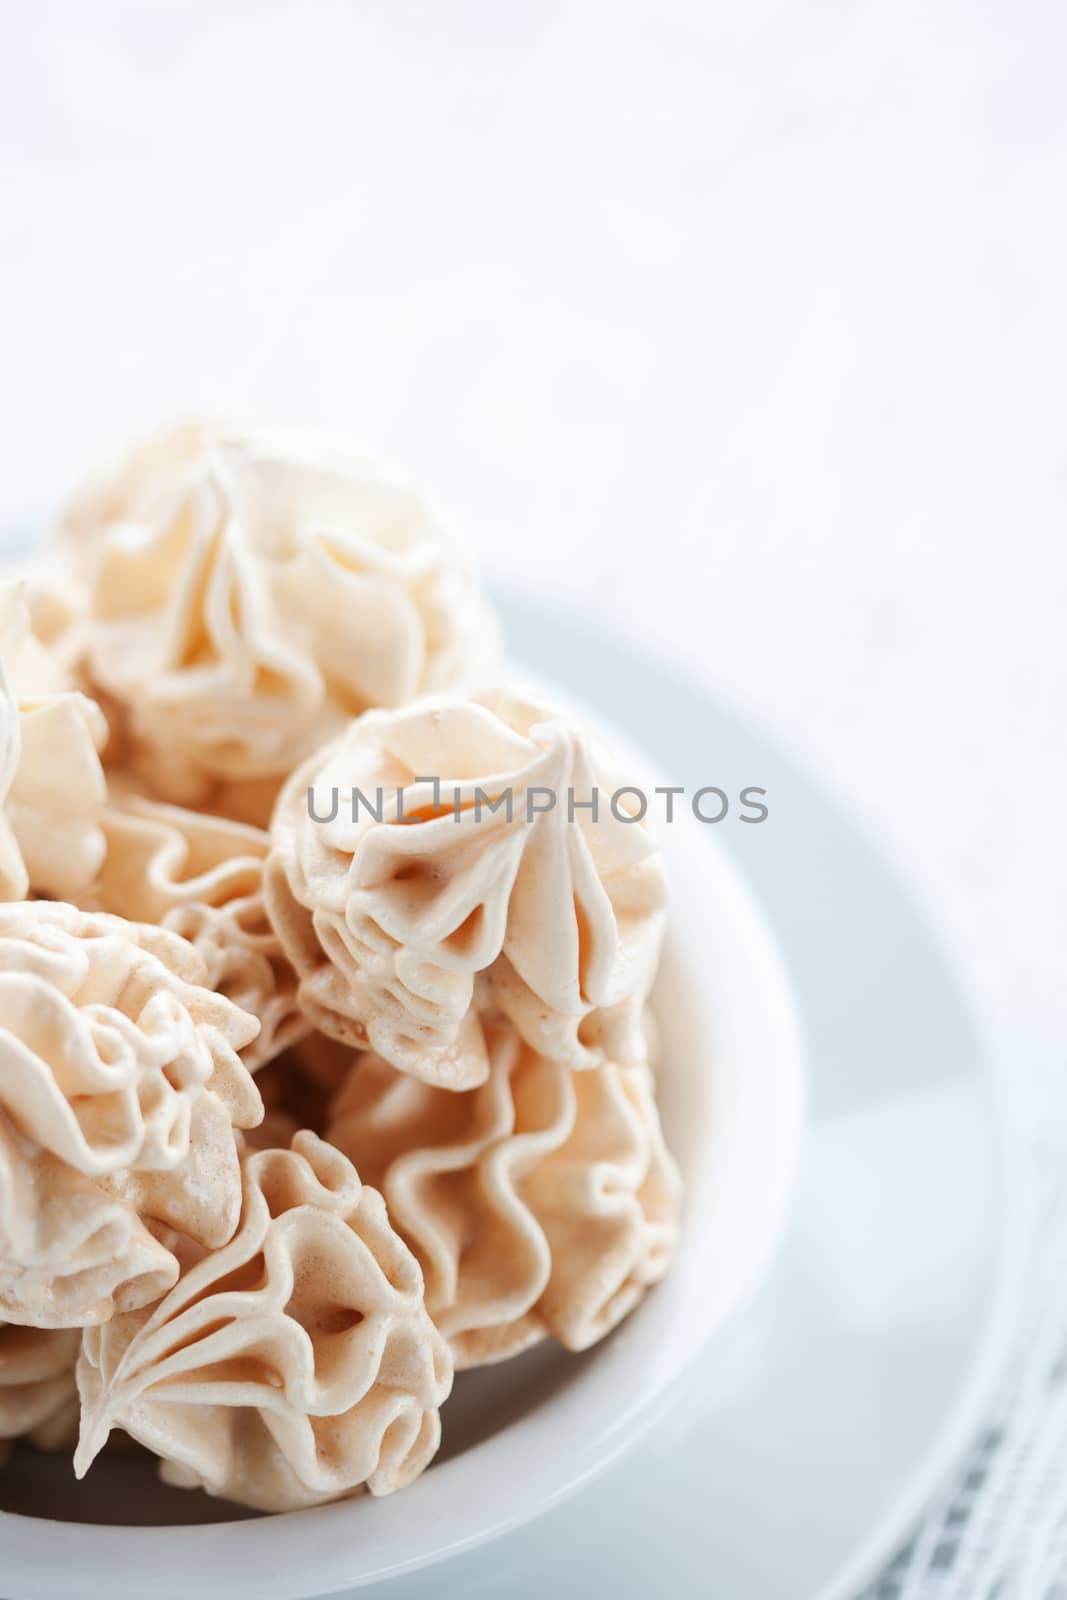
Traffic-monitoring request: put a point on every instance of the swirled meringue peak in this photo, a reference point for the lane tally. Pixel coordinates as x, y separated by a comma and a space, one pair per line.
295, 1365
202, 877
120, 1089
52, 785
402, 915
252, 591
542, 1203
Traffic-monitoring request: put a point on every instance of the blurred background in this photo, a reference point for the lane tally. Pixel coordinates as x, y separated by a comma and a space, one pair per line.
737, 327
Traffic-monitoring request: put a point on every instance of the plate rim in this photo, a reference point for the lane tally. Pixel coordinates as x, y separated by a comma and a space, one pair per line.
888, 1537
743, 922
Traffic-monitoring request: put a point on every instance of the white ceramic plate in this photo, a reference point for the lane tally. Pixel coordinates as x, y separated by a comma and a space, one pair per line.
519, 1437
810, 1433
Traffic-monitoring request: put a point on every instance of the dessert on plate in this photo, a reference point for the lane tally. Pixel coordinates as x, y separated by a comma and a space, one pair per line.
412, 904
327, 956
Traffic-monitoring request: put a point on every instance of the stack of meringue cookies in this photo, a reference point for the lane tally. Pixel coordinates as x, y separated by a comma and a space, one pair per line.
302, 1109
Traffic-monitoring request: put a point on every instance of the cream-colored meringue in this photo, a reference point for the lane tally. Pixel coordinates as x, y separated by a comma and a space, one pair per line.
251, 591
293, 1366
120, 1088
202, 877
543, 1202
51, 782
390, 923
38, 1392
57, 604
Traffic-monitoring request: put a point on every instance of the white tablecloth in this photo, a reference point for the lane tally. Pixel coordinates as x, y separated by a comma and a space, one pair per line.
741, 322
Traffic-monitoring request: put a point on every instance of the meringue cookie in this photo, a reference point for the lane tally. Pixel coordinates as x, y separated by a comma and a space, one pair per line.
397, 925
542, 1203
202, 877
38, 1392
293, 1366
52, 785
120, 1089
56, 604
250, 592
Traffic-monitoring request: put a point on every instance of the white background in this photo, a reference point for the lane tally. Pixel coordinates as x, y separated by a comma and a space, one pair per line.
738, 325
